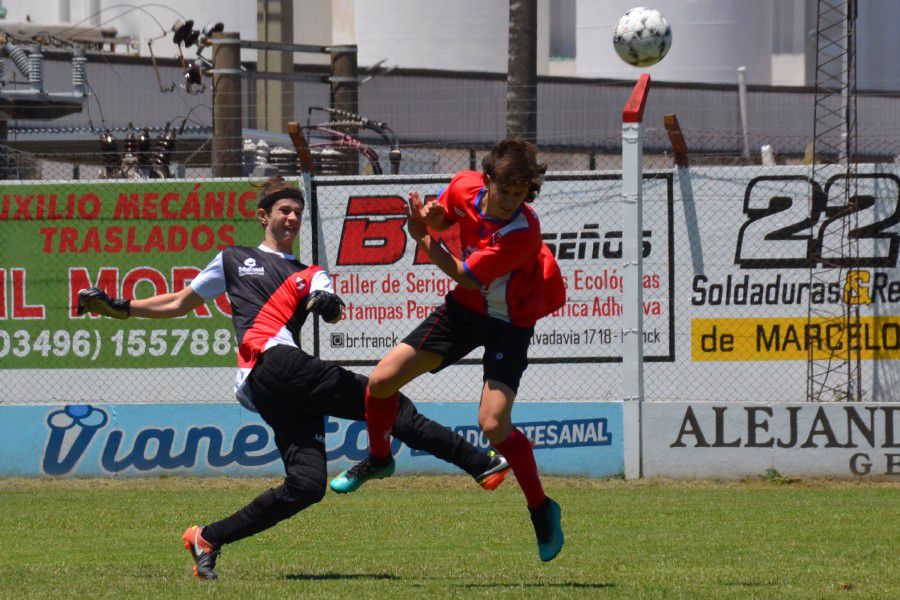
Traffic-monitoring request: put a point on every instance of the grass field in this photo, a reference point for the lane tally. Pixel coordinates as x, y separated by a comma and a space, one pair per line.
414, 537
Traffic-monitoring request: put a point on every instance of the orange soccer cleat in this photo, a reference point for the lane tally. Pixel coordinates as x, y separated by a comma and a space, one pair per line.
496, 472
203, 553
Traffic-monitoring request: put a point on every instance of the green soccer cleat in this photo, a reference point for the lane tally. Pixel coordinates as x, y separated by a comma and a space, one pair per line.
547, 521
366, 469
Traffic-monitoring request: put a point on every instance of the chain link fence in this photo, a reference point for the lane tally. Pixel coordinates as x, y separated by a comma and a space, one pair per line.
730, 246
162, 153
779, 273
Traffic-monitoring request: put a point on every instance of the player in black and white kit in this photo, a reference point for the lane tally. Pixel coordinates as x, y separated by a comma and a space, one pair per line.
271, 294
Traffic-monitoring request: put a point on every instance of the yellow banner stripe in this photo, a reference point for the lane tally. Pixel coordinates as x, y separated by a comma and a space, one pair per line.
875, 338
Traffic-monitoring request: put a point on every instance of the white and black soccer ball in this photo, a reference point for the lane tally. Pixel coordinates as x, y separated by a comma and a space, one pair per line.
642, 37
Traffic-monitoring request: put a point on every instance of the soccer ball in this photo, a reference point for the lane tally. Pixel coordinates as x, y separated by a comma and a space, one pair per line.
642, 37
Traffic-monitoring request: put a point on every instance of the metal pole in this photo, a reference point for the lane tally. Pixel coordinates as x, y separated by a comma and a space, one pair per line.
345, 96
521, 75
742, 105
275, 105
632, 301
632, 276
226, 143
847, 63
4, 152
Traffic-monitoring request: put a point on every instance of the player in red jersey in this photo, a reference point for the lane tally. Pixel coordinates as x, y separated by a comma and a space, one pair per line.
507, 279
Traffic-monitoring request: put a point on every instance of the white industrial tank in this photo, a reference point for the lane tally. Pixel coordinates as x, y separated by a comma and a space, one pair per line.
878, 45
466, 35
710, 40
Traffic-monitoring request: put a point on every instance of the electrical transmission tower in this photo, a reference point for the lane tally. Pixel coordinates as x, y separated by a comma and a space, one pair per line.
833, 367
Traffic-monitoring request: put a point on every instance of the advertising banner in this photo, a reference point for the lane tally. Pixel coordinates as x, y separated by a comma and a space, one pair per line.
133, 239
390, 285
748, 273
702, 439
224, 439
785, 282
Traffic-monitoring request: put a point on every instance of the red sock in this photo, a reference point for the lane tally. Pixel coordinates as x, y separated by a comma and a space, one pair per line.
517, 450
380, 416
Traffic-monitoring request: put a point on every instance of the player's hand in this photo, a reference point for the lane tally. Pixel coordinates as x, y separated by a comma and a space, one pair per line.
434, 215
325, 304
415, 221
96, 301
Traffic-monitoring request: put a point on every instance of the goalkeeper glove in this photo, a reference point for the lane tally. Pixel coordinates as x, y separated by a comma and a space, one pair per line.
94, 300
326, 305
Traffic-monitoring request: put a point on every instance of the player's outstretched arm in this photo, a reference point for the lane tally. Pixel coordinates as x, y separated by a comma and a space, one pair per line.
167, 306
164, 306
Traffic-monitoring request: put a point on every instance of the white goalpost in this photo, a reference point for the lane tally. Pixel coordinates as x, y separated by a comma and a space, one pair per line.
632, 269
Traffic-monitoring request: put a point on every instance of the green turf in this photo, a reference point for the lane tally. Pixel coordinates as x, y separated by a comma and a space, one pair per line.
427, 537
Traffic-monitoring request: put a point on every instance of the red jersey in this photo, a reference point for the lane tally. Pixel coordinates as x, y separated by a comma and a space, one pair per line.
519, 279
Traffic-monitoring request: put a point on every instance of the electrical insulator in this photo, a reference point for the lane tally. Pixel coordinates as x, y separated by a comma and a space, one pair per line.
191, 38
36, 68
18, 56
328, 161
144, 147
262, 154
109, 151
211, 28
162, 153
182, 30
193, 77
284, 160
79, 71
394, 159
130, 141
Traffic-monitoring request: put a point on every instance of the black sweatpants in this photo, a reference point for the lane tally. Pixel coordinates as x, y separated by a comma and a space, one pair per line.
293, 392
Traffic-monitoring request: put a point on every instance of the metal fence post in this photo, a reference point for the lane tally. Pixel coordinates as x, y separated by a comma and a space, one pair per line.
632, 266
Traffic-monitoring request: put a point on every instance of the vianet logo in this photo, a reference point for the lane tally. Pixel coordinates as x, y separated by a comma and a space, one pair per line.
77, 429
74, 429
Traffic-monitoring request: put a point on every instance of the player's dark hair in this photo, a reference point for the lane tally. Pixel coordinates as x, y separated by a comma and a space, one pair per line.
274, 189
514, 162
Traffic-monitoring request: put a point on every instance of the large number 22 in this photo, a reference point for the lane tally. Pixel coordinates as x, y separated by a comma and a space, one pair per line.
793, 223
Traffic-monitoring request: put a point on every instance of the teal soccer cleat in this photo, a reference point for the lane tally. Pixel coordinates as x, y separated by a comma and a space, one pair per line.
547, 521
366, 469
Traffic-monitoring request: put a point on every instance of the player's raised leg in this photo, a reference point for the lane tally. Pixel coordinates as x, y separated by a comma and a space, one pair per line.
342, 395
495, 419
401, 365
418, 432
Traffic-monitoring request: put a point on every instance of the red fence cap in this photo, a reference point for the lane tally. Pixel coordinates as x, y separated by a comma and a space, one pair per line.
634, 108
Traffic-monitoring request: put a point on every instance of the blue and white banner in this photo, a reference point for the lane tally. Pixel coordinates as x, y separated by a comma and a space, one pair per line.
573, 438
